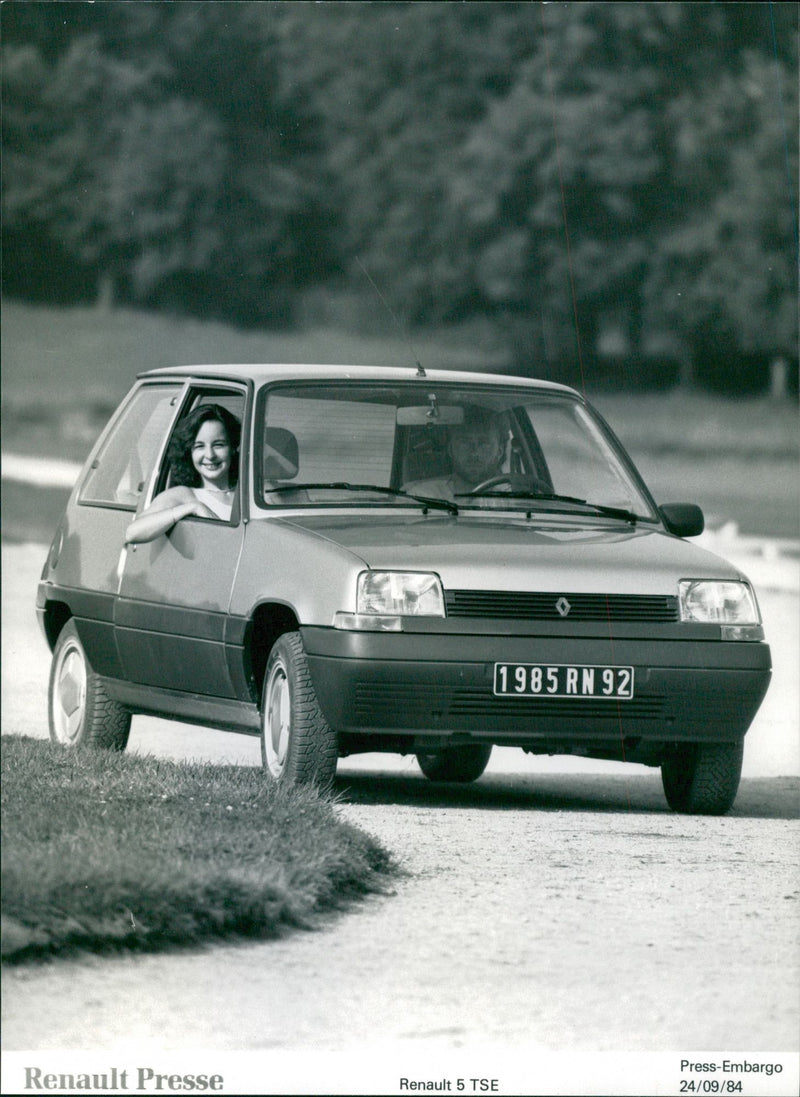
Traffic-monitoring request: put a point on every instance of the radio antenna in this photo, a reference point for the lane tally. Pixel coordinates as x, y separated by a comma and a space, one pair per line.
420, 369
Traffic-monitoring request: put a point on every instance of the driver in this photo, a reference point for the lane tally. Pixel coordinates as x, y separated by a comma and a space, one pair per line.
477, 449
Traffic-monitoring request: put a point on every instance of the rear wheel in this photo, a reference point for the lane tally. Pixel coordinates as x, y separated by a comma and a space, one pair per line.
462, 764
703, 778
297, 745
80, 711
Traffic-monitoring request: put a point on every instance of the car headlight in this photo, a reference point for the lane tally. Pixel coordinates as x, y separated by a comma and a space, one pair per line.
407, 593
729, 603
384, 598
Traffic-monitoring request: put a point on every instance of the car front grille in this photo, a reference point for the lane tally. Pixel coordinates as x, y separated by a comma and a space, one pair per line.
549, 606
379, 703
475, 702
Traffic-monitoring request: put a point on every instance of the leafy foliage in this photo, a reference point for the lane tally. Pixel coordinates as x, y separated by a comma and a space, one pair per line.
558, 170
728, 268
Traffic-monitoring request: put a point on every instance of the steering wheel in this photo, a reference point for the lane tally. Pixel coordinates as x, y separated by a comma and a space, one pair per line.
532, 483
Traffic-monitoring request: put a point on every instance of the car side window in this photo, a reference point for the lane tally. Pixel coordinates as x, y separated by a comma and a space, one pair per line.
231, 403
122, 468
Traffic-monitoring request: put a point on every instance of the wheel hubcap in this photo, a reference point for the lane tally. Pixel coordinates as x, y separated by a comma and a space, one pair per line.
69, 703
277, 720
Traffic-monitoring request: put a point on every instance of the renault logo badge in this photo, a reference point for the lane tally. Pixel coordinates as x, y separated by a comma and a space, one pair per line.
563, 606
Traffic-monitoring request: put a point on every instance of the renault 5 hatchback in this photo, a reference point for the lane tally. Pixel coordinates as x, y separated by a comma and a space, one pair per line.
373, 591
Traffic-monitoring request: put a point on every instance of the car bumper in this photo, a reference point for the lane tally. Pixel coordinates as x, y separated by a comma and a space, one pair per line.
437, 685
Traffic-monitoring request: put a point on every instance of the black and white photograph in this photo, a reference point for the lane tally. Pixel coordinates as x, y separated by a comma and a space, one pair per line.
400, 548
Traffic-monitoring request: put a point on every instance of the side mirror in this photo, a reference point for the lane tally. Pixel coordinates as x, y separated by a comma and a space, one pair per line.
682, 519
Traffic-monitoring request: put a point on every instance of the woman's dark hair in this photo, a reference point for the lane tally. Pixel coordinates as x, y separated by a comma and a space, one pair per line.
180, 447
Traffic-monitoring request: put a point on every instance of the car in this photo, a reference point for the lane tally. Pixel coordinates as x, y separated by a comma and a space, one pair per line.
364, 593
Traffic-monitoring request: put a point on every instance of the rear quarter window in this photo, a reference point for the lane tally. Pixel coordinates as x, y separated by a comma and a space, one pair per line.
122, 468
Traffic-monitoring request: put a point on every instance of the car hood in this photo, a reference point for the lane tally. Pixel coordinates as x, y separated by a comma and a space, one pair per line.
564, 552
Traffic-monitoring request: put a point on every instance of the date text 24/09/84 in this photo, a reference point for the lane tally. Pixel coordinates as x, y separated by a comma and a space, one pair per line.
561, 680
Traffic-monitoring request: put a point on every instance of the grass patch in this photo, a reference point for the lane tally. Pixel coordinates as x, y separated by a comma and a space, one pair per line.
104, 850
700, 425
93, 357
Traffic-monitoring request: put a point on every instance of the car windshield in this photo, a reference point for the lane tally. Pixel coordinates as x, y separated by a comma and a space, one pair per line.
438, 445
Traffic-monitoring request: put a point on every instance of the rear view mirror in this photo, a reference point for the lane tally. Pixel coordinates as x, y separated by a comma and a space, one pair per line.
430, 415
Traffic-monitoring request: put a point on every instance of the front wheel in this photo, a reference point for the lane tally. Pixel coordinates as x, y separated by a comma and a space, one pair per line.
297, 745
80, 711
461, 764
702, 778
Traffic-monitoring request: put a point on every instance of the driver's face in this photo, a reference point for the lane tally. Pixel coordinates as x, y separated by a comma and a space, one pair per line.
477, 453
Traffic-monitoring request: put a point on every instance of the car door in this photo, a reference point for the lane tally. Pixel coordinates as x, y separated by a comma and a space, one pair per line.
174, 593
85, 555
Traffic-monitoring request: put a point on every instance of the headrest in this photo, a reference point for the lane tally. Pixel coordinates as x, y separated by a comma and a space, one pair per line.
281, 457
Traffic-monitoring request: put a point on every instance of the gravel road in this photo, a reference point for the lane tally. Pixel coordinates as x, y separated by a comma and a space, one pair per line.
552, 914
551, 907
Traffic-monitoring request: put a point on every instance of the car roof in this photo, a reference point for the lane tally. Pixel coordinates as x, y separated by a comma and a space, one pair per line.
262, 373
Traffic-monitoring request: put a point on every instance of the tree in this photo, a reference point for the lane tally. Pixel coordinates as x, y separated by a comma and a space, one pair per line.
639, 152
157, 149
123, 178
397, 87
726, 272
271, 211
544, 166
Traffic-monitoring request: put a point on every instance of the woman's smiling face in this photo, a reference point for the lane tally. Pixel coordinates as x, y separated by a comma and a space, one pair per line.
211, 454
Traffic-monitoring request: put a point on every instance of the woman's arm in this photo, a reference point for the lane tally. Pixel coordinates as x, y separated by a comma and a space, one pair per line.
162, 514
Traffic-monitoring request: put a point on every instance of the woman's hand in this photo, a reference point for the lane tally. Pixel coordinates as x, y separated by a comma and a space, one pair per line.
202, 511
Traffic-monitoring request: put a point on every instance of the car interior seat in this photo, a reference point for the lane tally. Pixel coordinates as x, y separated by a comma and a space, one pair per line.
281, 455
281, 463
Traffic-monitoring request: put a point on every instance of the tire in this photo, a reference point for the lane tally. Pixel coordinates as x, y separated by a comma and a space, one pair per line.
297, 745
461, 764
702, 778
80, 712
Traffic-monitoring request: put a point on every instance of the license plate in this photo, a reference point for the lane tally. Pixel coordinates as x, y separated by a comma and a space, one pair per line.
561, 680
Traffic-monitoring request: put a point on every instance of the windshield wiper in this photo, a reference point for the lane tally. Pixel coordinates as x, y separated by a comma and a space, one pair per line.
344, 485
552, 497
